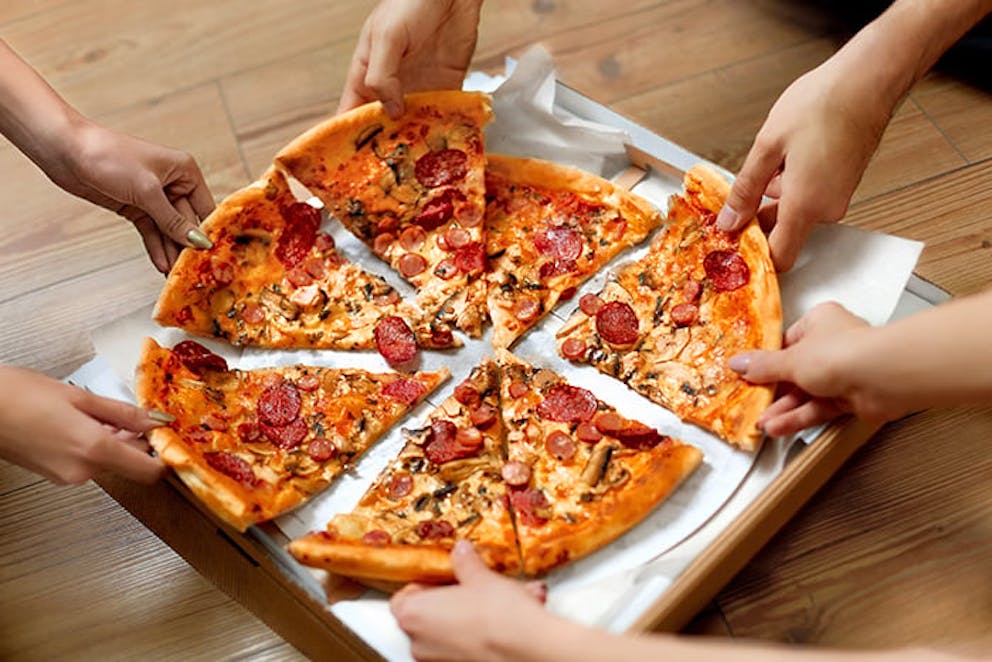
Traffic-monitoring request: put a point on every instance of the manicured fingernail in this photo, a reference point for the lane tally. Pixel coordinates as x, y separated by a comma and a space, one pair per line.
740, 362
727, 218
198, 239
160, 416
393, 109
462, 547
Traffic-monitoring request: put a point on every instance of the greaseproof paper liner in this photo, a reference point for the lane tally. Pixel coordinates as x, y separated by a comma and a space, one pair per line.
867, 272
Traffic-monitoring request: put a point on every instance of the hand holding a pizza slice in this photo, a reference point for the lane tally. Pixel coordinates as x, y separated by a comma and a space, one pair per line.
411, 47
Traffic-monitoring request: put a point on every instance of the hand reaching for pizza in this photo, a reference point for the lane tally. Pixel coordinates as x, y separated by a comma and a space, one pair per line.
807, 159
466, 621
69, 435
411, 46
813, 365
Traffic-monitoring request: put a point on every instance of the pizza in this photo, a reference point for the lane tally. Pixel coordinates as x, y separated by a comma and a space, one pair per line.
445, 484
273, 279
550, 228
667, 324
412, 189
253, 444
571, 476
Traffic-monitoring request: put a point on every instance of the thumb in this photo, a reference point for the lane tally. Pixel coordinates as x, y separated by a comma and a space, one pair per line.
761, 366
120, 414
467, 565
749, 186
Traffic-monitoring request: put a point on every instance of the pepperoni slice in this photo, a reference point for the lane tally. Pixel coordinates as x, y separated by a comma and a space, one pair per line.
457, 238
198, 358
517, 389
590, 304
441, 447
298, 235
377, 538
568, 404
559, 242
469, 438
446, 269
412, 264
617, 323
588, 433
406, 391
308, 382
557, 267
232, 466
467, 394
388, 299
399, 486
387, 224
249, 432
560, 445
442, 167
639, 436
471, 257
321, 449
324, 242
526, 309
382, 243
531, 506
470, 216
252, 313
280, 404
222, 272
483, 416
692, 290
286, 437
412, 238
567, 294
439, 209
609, 423
573, 349
727, 270
684, 314
299, 277
395, 341
435, 529
314, 266
516, 474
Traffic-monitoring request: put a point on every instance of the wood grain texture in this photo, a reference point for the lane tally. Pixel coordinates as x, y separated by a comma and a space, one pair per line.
962, 111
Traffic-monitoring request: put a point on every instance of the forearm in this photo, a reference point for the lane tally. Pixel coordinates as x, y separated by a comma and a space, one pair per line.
940, 357
32, 115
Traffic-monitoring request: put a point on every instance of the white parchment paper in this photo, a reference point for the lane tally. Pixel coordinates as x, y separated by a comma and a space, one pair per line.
866, 272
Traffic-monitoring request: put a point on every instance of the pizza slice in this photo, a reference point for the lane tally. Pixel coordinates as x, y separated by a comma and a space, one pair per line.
412, 189
667, 324
549, 229
579, 473
446, 484
253, 444
272, 279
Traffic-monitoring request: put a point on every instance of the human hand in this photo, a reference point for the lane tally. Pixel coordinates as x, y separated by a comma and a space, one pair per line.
807, 158
817, 365
69, 435
159, 189
410, 46
468, 621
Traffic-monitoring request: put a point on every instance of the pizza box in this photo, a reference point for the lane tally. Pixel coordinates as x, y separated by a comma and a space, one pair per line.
658, 575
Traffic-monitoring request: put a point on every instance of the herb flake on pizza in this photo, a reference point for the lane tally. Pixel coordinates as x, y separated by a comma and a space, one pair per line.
667, 324
252, 444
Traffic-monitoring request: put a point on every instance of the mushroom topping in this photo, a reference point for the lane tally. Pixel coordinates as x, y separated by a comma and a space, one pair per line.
277, 303
597, 465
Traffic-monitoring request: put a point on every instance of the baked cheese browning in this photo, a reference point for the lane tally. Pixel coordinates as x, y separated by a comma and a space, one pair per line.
549, 229
444, 485
667, 324
580, 475
412, 189
272, 279
253, 444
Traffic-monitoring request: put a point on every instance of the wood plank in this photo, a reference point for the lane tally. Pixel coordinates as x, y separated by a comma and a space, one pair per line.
889, 553
13, 478
951, 213
52, 235
16, 10
123, 51
958, 108
158, 604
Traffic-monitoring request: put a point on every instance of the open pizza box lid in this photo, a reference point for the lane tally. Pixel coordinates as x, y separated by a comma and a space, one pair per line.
661, 572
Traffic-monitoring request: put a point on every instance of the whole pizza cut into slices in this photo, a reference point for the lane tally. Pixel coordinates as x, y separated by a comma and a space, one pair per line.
580, 474
549, 229
253, 444
444, 485
412, 189
668, 323
272, 279
534, 471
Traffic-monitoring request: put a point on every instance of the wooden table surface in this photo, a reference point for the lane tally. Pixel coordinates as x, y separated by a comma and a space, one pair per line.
895, 550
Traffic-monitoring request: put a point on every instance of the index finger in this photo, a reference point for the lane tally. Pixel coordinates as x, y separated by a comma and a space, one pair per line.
113, 454
760, 166
383, 74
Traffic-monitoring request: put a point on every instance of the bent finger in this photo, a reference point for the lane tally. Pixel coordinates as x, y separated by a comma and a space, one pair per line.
382, 76
760, 166
175, 221
128, 461
119, 414
807, 415
154, 246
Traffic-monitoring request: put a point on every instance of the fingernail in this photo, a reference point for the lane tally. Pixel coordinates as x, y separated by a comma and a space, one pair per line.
727, 218
740, 362
198, 239
462, 547
160, 416
393, 109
